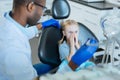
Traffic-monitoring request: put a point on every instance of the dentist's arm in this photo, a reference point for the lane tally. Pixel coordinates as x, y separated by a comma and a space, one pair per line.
73, 66
48, 23
83, 54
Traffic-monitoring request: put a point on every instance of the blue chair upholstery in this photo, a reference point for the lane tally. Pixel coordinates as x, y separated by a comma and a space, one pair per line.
42, 68
85, 33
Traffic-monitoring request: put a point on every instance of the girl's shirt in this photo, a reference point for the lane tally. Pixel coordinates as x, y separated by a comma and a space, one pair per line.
64, 50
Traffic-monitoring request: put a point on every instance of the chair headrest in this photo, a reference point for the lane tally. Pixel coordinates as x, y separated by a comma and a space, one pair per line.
60, 9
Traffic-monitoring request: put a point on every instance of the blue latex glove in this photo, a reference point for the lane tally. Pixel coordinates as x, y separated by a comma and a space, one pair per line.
85, 52
51, 22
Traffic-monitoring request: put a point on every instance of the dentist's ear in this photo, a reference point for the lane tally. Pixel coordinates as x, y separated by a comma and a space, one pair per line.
30, 6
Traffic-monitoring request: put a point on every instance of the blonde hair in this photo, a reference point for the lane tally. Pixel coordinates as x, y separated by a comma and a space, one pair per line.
64, 24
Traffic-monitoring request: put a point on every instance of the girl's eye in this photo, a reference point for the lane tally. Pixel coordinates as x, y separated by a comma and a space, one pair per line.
76, 31
70, 32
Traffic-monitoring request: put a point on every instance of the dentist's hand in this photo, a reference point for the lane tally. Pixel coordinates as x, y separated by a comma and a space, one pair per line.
51, 22
85, 52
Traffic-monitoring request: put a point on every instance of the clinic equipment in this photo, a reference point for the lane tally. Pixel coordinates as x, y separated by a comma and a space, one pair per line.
48, 47
111, 30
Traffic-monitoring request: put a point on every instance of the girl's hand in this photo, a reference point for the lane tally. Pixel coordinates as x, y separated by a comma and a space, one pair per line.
72, 47
72, 43
77, 44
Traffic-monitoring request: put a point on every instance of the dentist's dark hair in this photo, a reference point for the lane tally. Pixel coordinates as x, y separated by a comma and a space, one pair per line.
17, 3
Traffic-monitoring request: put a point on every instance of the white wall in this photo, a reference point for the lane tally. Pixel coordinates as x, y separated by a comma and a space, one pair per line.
49, 3
5, 5
116, 2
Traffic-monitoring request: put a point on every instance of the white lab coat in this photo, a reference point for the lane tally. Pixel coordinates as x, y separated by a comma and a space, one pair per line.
15, 52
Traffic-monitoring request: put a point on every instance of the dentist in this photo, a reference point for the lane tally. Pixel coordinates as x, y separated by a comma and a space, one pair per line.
17, 27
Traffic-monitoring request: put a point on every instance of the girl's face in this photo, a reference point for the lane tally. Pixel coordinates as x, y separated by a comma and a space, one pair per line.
71, 30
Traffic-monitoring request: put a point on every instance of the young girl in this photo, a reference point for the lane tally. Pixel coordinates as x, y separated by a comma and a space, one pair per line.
69, 43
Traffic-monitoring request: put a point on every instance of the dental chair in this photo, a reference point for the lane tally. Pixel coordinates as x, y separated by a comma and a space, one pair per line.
48, 52
48, 45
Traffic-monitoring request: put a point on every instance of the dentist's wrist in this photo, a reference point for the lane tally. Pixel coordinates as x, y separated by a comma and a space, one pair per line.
72, 65
39, 26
